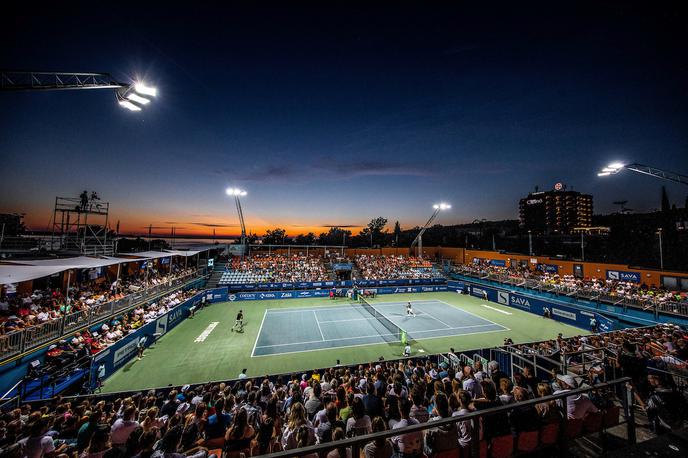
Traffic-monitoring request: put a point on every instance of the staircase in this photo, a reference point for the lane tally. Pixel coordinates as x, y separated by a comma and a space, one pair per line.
215, 276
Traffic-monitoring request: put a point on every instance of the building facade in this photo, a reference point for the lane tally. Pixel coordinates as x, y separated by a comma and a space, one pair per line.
558, 211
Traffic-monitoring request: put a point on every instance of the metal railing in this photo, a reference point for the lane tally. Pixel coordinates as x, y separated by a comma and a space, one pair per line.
19, 342
356, 444
668, 307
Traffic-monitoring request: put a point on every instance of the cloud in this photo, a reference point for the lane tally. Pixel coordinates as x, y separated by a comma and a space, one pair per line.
342, 226
326, 168
214, 225
354, 168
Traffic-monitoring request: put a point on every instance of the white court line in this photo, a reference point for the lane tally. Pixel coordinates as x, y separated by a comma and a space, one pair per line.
465, 311
496, 309
306, 309
436, 319
206, 332
259, 332
315, 315
375, 335
368, 344
346, 321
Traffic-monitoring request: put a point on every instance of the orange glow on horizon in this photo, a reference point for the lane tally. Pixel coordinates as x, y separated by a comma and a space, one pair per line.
134, 224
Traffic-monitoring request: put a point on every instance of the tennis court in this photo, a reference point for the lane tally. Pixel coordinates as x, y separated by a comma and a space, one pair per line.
347, 325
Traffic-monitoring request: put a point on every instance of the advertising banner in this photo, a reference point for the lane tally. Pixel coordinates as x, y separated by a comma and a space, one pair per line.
620, 275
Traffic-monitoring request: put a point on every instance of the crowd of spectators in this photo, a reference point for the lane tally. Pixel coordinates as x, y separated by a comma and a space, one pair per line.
262, 415
21, 311
282, 268
90, 342
638, 292
373, 267
648, 355
258, 416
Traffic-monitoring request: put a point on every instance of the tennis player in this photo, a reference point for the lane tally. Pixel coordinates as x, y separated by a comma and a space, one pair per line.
239, 323
409, 309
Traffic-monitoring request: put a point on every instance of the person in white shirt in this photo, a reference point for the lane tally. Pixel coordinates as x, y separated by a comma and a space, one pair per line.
123, 427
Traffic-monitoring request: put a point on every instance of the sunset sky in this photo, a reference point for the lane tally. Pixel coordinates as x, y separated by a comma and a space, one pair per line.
335, 116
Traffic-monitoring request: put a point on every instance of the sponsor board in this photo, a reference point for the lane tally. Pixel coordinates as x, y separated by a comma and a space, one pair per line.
621, 275
564, 314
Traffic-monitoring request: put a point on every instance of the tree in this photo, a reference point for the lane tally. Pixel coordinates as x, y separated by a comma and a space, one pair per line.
373, 230
276, 236
335, 236
308, 239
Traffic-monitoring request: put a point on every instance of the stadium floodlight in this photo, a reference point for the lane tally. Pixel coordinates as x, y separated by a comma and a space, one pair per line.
141, 88
235, 192
419, 238
611, 169
135, 96
616, 167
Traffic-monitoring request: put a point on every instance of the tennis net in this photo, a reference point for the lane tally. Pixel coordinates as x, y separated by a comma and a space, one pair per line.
395, 332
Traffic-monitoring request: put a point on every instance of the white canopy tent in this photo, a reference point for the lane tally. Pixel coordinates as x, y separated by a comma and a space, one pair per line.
19, 273
25, 270
184, 253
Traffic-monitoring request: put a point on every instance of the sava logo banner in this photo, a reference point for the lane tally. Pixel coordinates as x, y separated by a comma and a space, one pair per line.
620, 275
511, 299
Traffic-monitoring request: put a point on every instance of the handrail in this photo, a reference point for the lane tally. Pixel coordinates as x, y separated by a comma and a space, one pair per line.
364, 439
681, 309
92, 316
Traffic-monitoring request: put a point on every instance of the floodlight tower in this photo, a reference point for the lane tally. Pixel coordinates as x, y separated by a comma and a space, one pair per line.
236, 192
616, 167
419, 238
132, 96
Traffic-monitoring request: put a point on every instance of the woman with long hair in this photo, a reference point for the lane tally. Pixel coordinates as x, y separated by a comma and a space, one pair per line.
238, 436
297, 419
270, 426
547, 411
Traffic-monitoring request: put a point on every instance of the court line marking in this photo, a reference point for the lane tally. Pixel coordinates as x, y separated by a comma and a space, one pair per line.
260, 330
206, 332
445, 303
315, 315
466, 311
496, 309
374, 335
436, 319
310, 309
368, 344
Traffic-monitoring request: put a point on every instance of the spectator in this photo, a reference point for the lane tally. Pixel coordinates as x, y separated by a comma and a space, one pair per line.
379, 448
358, 423
442, 438
408, 445
239, 435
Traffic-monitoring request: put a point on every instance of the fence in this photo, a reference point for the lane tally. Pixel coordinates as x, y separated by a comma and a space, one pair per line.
668, 307
18, 342
525, 442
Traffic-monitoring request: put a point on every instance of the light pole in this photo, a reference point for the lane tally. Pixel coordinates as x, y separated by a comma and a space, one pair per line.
419, 238
661, 255
236, 193
132, 96
616, 167
582, 246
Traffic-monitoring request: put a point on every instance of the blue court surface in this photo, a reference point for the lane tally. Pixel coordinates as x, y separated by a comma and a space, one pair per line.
303, 329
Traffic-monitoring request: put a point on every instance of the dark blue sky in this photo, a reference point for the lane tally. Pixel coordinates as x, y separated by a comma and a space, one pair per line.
336, 115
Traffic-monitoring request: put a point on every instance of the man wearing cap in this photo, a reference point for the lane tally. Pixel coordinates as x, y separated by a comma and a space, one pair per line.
578, 405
